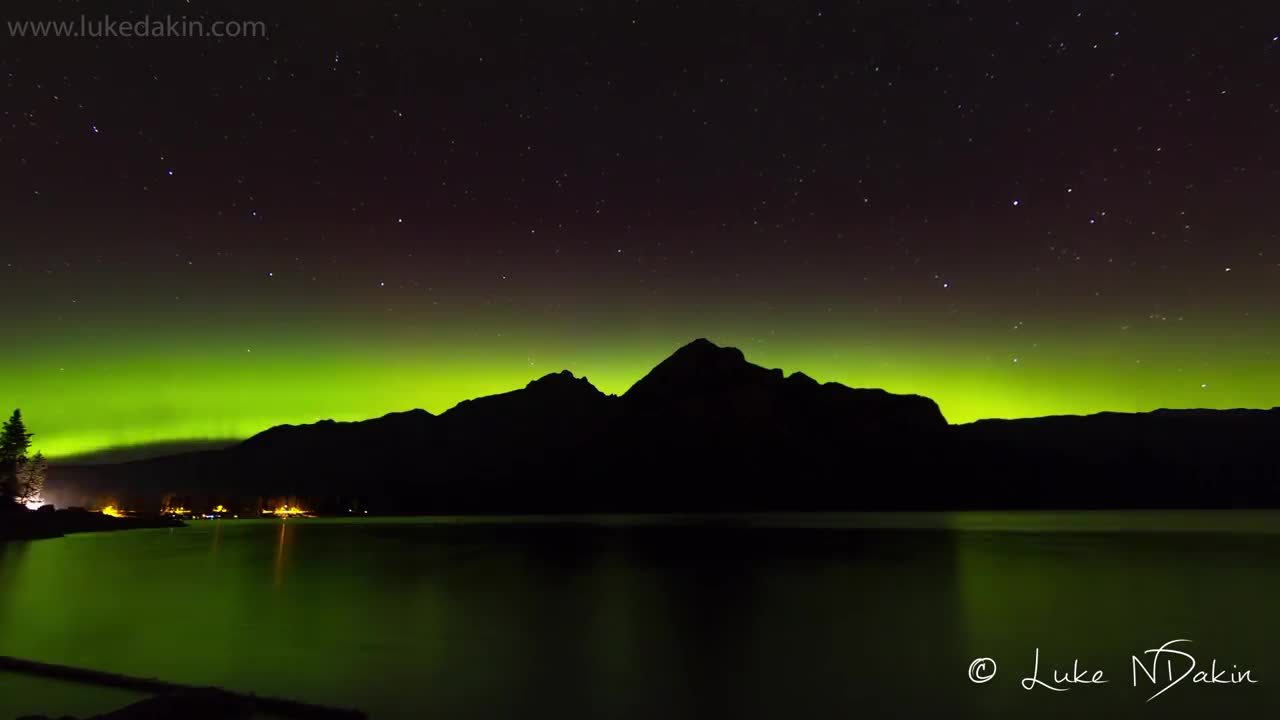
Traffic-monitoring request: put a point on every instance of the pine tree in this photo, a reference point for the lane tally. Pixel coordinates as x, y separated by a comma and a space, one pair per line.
14, 443
14, 438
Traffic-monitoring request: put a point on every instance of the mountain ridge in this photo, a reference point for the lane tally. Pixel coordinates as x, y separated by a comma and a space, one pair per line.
707, 430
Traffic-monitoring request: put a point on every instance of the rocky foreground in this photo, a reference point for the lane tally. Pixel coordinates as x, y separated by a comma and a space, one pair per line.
211, 704
171, 700
207, 704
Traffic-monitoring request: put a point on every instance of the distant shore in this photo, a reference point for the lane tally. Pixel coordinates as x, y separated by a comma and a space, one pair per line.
29, 525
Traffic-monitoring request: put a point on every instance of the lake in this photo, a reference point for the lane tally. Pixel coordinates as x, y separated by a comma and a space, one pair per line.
769, 616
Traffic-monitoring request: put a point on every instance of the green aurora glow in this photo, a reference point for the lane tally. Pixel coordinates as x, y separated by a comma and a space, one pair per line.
201, 240
231, 383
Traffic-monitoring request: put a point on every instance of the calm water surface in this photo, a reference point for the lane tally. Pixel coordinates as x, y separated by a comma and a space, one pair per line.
640, 617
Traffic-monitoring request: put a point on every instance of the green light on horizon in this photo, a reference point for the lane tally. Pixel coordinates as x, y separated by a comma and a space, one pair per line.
189, 392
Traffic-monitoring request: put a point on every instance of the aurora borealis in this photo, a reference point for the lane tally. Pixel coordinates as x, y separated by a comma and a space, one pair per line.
180, 387
1064, 209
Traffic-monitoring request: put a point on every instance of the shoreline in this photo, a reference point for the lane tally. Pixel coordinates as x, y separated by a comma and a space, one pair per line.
33, 525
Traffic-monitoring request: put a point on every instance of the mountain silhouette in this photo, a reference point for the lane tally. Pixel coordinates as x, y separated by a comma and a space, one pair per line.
706, 430
707, 383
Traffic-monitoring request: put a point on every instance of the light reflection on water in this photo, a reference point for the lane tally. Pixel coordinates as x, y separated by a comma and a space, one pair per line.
644, 616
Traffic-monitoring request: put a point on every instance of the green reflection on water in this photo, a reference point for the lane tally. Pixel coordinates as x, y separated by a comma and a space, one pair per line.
641, 616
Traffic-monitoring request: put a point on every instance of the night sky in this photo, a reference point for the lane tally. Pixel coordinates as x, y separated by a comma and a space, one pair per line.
1014, 208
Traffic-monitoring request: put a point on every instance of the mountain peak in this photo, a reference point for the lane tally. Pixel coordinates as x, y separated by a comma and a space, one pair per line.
563, 380
702, 351
696, 369
799, 378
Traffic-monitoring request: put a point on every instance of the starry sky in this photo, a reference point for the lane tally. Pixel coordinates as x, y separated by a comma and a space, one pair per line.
1017, 209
